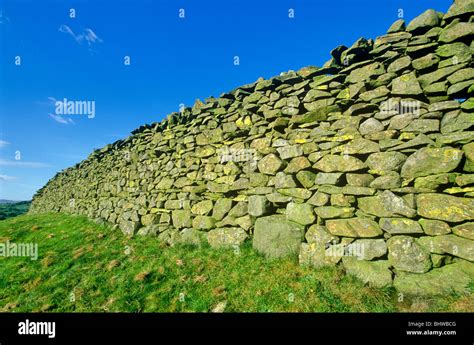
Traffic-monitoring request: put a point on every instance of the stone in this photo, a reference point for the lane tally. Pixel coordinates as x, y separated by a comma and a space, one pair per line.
149, 219
359, 180
306, 178
449, 279
368, 249
397, 26
276, 237
406, 84
239, 210
299, 193
317, 255
377, 93
465, 230
427, 161
149, 230
445, 207
461, 75
358, 146
388, 181
258, 205
270, 164
374, 273
399, 64
327, 178
316, 114
191, 237
423, 126
290, 151
449, 244
203, 222
214, 187
469, 153
221, 207
342, 200
355, 190
400, 226
128, 228
283, 180
425, 62
181, 219
386, 161
370, 126
318, 234
463, 180
386, 204
169, 236
297, 164
353, 227
300, 213
319, 199
226, 237
433, 181
202, 207
456, 31
430, 78
458, 8
373, 205
456, 121
406, 254
329, 212
434, 227
424, 21
334, 163
366, 72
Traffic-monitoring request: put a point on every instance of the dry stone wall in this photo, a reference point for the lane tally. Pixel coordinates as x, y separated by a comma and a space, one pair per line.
366, 162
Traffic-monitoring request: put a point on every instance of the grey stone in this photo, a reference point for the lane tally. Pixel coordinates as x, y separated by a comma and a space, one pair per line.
275, 236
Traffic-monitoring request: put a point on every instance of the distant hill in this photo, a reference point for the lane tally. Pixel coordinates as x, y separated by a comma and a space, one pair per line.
5, 201
9, 208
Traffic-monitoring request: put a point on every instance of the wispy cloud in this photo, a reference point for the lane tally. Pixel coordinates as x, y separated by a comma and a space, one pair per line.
3, 18
24, 164
6, 178
58, 118
62, 120
87, 35
3, 143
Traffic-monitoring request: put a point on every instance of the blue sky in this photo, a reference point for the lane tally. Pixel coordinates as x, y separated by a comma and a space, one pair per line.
173, 60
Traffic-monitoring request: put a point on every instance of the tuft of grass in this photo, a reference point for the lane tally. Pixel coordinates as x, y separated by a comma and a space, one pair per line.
85, 267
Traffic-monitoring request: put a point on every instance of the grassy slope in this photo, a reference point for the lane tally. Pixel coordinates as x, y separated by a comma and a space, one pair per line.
85, 267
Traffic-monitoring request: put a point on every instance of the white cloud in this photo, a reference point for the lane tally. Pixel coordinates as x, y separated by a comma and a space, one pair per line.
3, 18
60, 119
66, 29
87, 35
7, 178
90, 36
6, 162
3, 143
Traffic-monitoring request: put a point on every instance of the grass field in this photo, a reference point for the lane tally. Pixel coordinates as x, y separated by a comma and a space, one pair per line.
83, 266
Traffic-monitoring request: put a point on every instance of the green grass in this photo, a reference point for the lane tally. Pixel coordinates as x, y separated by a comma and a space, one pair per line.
83, 267
9, 210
